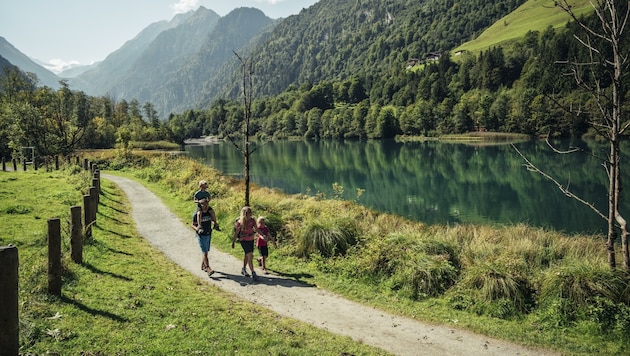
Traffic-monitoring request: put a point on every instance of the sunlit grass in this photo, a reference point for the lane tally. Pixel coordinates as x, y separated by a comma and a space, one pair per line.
533, 15
126, 298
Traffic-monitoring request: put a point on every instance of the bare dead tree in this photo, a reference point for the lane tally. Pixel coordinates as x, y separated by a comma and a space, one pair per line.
603, 42
245, 148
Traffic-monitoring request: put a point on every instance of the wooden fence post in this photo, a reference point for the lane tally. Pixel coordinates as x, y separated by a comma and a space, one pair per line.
4, 165
24, 165
56, 163
85, 164
87, 216
97, 187
14, 165
54, 256
9, 319
94, 199
76, 234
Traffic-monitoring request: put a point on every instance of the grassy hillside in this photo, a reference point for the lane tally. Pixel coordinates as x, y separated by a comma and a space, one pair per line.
534, 15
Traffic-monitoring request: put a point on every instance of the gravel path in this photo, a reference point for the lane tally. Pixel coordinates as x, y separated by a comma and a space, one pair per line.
395, 334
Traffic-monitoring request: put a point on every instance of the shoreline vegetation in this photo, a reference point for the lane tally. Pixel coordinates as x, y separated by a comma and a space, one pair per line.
527, 285
482, 138
485, 137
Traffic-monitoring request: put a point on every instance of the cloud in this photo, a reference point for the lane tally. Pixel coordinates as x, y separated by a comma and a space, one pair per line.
59, 65
183, 6
271, 2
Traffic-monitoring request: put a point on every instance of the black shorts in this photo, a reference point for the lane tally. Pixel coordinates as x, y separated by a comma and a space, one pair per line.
264, 250
248, 246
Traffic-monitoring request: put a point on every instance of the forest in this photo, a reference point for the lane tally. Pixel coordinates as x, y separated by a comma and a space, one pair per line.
519, 87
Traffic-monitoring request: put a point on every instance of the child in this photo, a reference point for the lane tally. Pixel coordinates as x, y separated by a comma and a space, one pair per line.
263, 237
201, 194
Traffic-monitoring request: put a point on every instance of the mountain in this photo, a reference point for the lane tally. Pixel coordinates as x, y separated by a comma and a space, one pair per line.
4, 64
22, 61
74, 71
170, 64
115, 67
196, 79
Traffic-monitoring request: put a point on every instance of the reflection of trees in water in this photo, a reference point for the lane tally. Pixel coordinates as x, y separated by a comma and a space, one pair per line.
429, 181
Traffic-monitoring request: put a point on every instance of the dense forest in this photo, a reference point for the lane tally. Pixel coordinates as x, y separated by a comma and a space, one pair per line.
517, 87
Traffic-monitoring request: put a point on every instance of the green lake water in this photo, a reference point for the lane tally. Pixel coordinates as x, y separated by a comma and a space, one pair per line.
433, 182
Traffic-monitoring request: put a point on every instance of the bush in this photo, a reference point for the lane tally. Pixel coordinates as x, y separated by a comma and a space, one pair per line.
326, 238
490, 290
424, 275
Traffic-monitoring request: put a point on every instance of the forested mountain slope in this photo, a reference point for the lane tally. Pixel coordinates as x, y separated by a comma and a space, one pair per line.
335, 39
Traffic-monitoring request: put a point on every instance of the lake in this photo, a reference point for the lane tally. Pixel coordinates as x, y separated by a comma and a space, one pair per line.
432, 182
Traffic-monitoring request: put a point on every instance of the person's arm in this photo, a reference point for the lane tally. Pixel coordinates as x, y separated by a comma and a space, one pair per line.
214, 219
237, 230
271, 238
261, 236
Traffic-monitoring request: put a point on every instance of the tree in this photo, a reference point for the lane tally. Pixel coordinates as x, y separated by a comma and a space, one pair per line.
245, 149
600, 75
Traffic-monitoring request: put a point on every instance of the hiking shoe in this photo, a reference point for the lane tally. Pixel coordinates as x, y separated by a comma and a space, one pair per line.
254, 276
244, 272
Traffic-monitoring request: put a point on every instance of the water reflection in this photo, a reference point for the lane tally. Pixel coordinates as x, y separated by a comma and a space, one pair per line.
431, 182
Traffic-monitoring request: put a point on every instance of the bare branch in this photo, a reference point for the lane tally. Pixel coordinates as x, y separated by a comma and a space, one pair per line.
564, 189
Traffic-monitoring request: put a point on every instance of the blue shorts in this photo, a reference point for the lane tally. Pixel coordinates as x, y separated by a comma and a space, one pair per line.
248, 246
204, 242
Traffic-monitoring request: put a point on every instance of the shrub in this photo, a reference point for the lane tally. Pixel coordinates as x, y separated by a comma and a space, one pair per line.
326, 238
581, 282
491, 290
423, 275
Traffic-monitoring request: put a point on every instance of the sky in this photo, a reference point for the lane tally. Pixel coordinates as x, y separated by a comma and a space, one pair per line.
62, 32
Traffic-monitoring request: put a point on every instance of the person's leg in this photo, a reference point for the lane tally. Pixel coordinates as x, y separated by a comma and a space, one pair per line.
264, 253
244, 270
250, 263
204, 261
204, 253
259, 259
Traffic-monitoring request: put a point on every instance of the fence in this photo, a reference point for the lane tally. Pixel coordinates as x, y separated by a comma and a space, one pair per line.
23, 163
80, 230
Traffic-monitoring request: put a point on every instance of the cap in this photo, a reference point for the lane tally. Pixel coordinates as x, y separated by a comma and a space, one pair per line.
202, 182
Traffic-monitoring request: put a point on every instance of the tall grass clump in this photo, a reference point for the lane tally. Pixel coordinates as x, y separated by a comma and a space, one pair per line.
325, 237
492, 290
573, 291
413, 265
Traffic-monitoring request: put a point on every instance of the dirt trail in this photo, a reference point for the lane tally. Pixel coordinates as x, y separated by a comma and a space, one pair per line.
395, 334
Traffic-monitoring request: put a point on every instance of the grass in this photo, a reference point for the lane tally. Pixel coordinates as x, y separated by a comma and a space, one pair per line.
127, 298
533, 15
498, 281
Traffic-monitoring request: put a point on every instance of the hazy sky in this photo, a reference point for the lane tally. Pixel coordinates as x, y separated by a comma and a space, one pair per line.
85, 31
